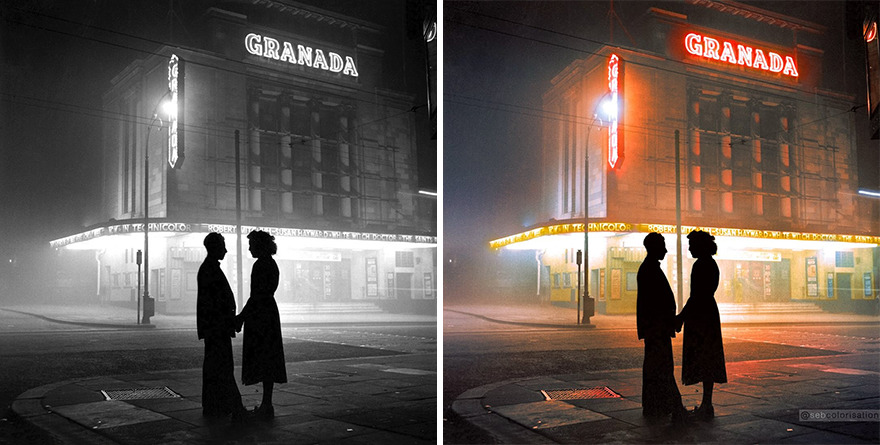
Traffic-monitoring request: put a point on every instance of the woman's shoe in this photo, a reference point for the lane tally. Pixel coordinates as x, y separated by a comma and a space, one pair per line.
264, 412
704, 413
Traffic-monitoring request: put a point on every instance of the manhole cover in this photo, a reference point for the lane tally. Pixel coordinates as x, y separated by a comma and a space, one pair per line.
599, 392
139, 394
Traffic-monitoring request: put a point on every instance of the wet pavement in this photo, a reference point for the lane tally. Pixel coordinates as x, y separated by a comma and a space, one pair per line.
791, 400
378, 399
389, 399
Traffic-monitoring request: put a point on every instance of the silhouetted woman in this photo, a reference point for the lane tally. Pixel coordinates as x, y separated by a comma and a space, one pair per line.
702, 350
263, 353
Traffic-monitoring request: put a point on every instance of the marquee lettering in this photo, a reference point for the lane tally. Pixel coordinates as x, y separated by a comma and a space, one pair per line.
270, 48
710, 48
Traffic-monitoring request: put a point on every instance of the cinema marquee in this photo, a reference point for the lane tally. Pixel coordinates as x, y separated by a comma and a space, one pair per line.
738, 54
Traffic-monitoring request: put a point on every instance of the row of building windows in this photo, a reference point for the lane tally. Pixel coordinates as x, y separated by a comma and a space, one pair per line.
307, 160
740, 159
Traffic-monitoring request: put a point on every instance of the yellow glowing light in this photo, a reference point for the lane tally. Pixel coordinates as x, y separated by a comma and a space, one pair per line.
742, 238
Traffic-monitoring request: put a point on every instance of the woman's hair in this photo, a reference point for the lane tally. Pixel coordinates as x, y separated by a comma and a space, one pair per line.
263, 243
702, 243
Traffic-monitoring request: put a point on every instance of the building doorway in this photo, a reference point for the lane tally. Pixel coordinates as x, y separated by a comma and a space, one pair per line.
844, 287
404, 286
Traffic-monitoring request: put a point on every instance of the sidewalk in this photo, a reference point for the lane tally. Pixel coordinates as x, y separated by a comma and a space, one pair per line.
107, 316
761, 403
547, 315
389, 400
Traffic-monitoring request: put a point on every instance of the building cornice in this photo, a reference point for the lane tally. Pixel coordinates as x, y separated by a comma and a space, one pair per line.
760, 15
317, 14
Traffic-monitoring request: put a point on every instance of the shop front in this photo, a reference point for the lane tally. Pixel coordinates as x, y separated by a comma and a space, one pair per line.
316, 267
759, 269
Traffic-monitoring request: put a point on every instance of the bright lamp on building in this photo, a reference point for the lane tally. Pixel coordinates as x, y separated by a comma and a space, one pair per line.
609, 108
169, 108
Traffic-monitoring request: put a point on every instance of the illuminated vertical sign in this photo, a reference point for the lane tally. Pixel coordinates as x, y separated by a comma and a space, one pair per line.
615, 152
175, 136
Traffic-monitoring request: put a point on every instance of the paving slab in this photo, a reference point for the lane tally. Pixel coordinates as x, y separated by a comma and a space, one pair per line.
547, 414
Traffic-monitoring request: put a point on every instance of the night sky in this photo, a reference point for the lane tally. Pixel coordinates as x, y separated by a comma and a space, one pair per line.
58, 58
495, 71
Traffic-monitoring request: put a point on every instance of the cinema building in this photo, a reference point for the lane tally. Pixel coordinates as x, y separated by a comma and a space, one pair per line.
305, 103
767, 164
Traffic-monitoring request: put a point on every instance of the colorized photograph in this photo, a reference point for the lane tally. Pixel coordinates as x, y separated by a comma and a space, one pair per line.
661, 222
222, 222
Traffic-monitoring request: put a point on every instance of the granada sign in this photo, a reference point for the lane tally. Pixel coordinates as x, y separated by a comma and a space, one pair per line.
317, 58
739, 54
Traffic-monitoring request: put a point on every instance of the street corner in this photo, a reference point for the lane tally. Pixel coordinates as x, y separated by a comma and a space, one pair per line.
559, 409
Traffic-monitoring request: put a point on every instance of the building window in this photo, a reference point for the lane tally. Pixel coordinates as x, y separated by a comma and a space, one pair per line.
844, 259
566, 279
696, 200
405, 259
740, 124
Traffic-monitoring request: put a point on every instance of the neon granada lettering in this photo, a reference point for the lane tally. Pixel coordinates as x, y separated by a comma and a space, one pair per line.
700, 45
270, 48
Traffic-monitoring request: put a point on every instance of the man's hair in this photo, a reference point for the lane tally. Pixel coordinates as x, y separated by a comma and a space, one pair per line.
654, 239
214, 239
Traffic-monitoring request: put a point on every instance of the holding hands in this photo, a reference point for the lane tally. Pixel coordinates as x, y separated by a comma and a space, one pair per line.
238, 322
679, 321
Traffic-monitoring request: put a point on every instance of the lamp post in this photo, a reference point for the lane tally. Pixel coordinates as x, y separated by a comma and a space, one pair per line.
148, 302
605, 105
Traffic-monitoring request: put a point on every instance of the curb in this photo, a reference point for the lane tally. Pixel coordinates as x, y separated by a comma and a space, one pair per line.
86, 323
526, 323
467, 406
28, 407
729, 323
287, 324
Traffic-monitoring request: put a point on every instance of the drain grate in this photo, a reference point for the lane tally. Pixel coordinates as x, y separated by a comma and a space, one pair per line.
599, 392
139, 394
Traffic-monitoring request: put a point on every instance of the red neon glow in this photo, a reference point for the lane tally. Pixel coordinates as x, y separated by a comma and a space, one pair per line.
871, 33
737, 54
613, 73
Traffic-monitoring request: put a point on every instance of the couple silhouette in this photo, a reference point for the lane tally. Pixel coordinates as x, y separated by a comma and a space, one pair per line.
657, 324
217, 324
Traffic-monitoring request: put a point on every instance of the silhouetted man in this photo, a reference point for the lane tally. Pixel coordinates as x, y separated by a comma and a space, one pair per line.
655, 319
215, 314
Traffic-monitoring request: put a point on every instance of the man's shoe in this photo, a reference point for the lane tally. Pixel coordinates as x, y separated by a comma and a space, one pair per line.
681, 417
240, 415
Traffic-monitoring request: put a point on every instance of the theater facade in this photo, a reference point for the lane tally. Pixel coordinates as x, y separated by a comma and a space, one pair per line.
767, 163
301, 110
